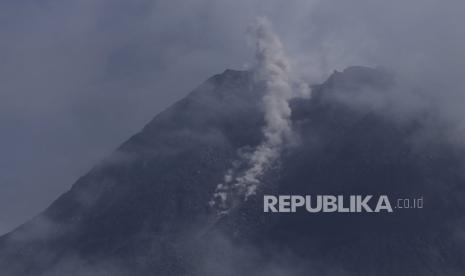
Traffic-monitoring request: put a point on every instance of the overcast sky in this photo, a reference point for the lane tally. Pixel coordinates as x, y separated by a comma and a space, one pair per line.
77, 78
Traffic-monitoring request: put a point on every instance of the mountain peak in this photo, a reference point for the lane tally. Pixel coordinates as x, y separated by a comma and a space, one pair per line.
144, 211
354, 77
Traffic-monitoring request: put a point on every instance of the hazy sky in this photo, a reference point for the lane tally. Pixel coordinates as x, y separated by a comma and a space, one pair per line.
77, 78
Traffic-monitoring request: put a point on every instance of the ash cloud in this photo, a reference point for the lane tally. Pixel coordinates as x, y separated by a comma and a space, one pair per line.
273, 71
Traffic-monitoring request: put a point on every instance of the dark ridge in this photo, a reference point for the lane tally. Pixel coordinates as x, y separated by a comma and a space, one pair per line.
144, 210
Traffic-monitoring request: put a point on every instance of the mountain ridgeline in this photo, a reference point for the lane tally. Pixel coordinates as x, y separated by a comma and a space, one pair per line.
144, 209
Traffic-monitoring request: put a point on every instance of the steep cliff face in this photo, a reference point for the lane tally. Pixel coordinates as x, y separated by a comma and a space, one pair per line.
144, 209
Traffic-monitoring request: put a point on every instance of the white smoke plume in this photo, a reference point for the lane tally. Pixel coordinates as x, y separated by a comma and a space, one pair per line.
273, 69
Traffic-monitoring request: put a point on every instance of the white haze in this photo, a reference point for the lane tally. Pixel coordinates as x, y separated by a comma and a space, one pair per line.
273, 70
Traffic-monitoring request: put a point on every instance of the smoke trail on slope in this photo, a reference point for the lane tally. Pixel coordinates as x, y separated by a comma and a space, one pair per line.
274, 71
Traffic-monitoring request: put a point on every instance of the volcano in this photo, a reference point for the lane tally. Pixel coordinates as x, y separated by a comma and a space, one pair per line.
144, 209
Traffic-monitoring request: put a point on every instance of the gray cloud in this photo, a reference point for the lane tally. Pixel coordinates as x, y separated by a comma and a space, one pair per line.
273, 70
79, 77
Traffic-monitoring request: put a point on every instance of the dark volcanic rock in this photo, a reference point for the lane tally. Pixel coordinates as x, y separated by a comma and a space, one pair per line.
144, 211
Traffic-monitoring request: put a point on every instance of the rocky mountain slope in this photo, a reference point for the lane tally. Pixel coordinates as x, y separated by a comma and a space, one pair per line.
144, 210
